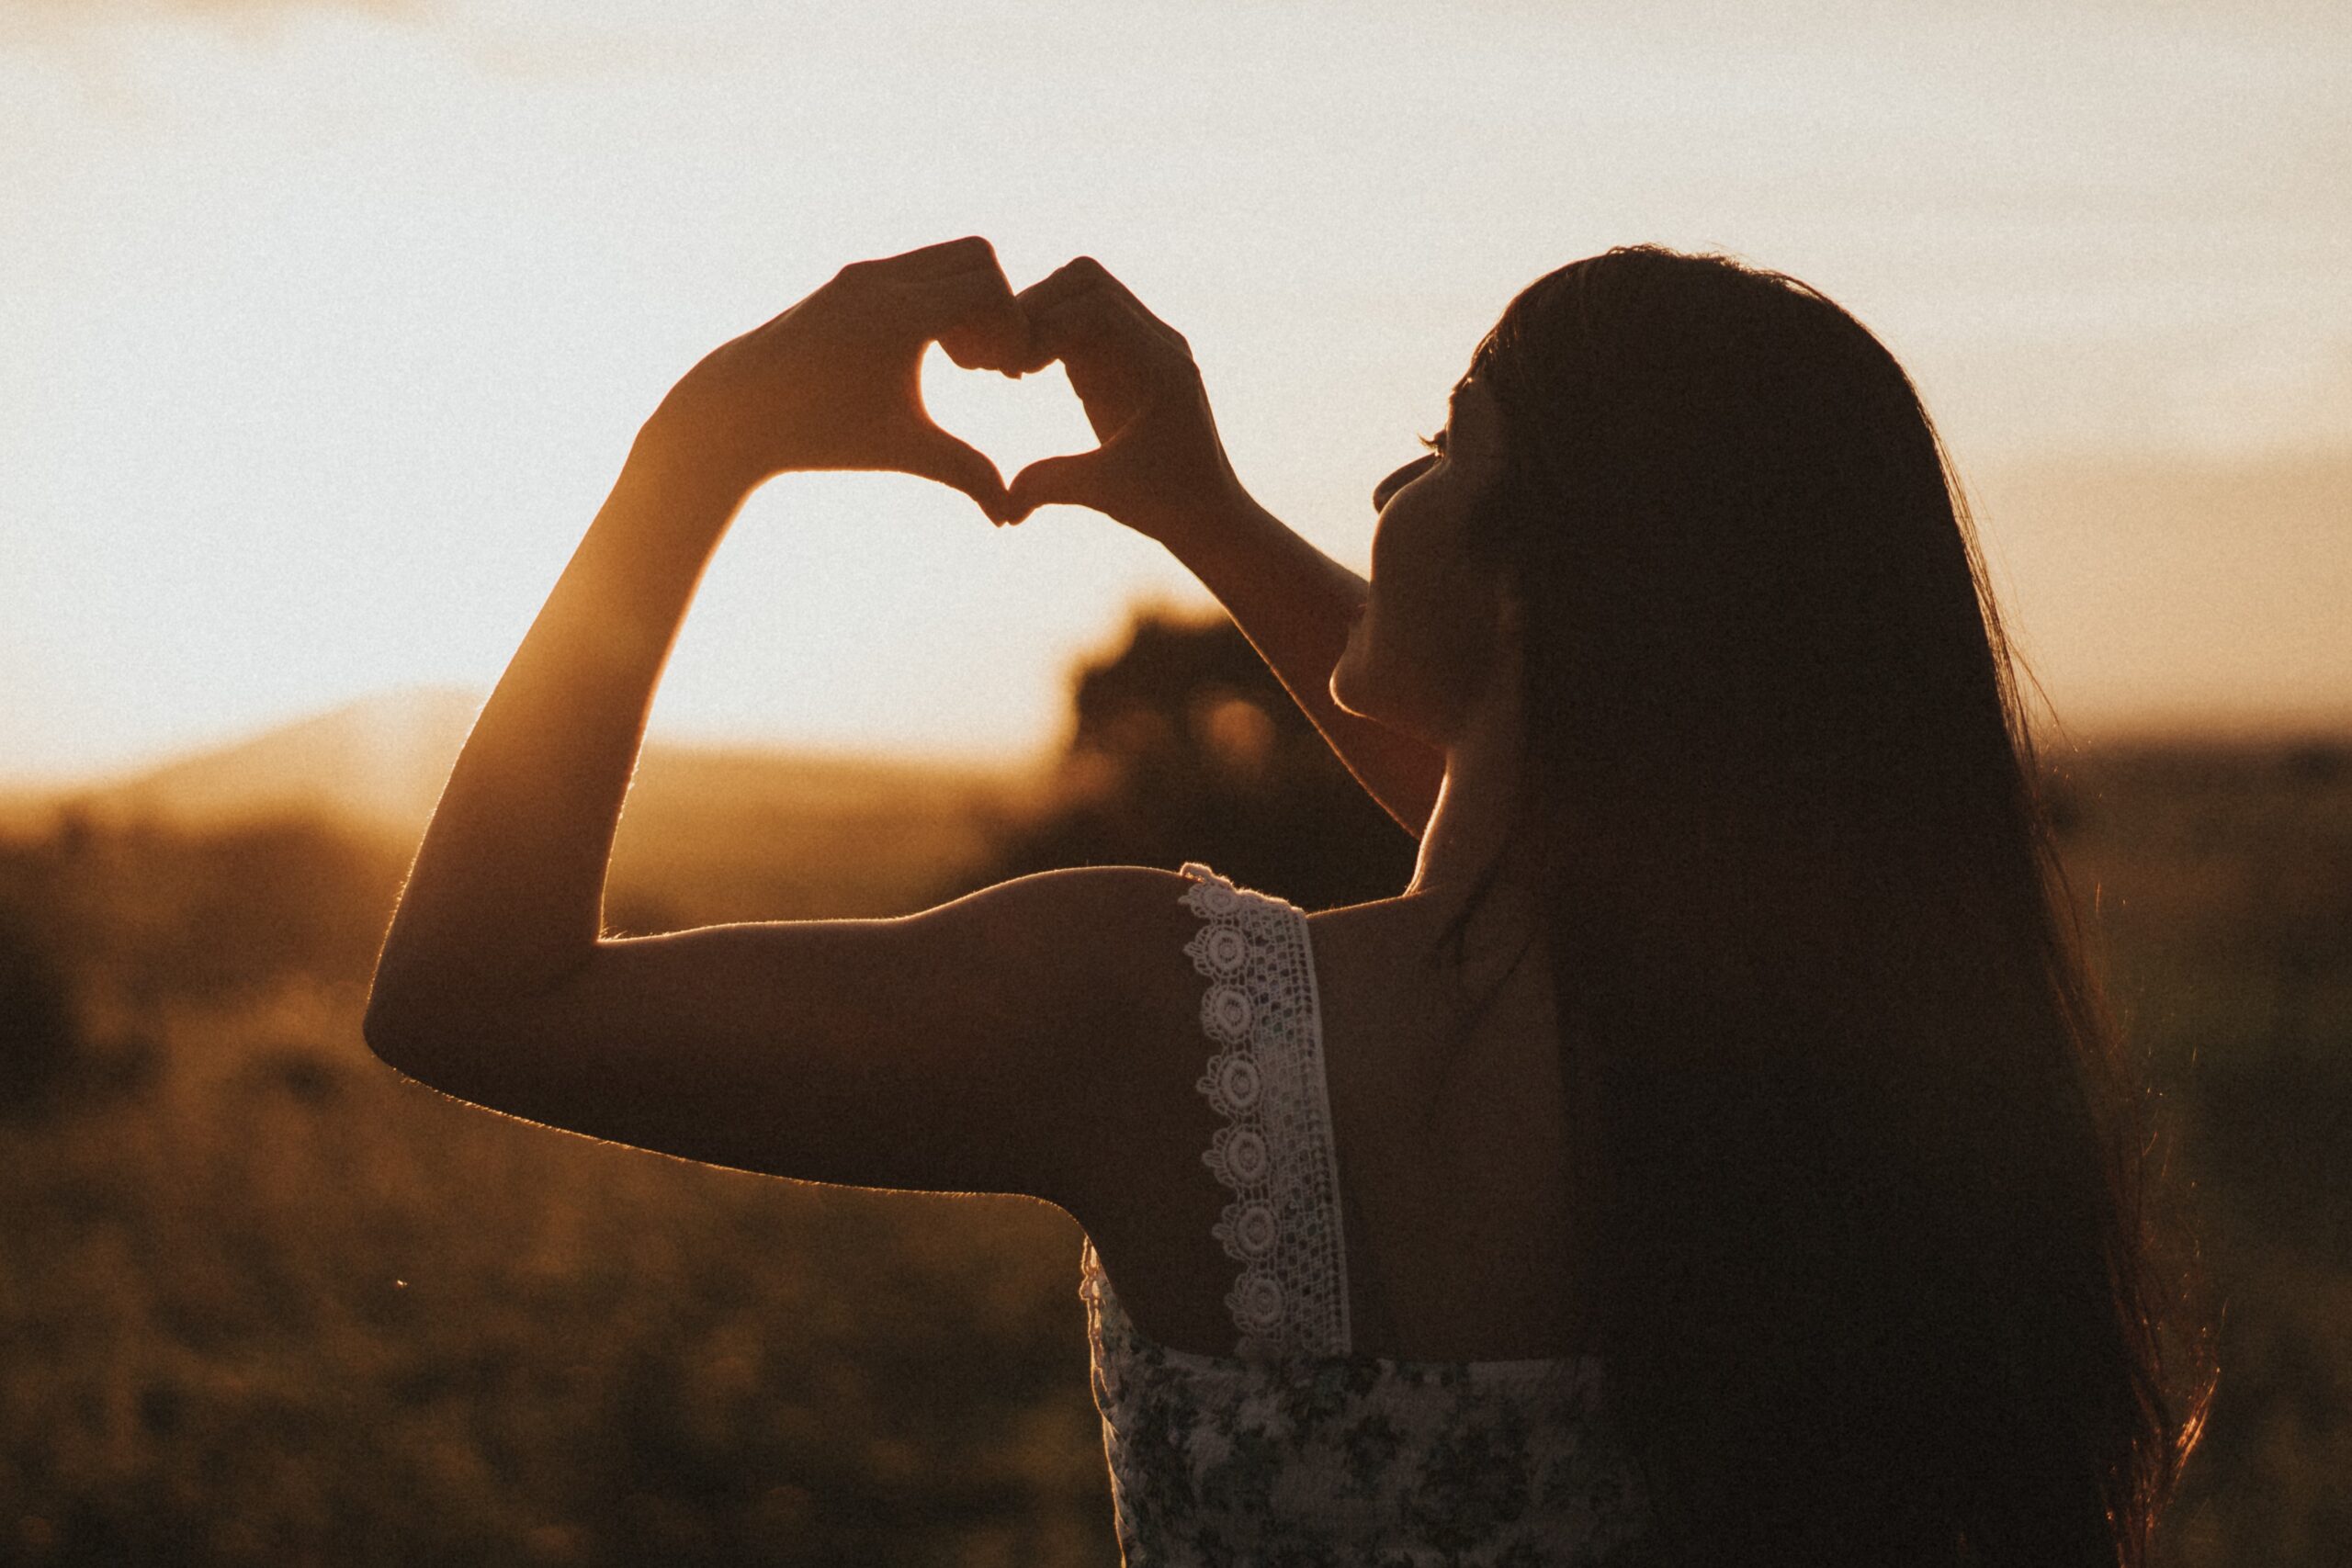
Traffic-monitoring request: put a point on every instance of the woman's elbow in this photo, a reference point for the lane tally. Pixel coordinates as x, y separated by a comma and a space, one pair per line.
408, 1022
390, 1027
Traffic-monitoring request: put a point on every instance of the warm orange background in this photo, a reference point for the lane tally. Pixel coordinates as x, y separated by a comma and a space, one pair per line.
324, 328
328, 325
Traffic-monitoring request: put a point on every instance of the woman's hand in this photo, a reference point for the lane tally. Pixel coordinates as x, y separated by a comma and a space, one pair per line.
1159, 467
836, 381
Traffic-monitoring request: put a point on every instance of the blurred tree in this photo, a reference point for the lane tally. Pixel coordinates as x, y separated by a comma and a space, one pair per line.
1186, 748
38, 1032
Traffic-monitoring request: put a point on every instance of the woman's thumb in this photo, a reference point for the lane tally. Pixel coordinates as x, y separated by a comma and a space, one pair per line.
940, 456
1055, 481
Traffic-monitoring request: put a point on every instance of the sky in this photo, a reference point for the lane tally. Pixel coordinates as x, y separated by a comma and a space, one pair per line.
329, 325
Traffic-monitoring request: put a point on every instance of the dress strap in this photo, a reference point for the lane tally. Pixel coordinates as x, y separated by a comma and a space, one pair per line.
1275, 1152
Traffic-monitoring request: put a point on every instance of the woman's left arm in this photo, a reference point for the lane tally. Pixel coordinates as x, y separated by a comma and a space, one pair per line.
733, 1044
506, 897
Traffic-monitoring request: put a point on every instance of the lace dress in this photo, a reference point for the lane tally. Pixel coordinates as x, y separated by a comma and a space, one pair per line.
1294, 1449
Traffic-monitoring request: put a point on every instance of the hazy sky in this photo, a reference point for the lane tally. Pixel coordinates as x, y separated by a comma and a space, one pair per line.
328, 326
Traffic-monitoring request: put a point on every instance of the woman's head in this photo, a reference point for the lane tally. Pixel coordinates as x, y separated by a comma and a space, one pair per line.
1724, 513
1859, 1158
1730, 518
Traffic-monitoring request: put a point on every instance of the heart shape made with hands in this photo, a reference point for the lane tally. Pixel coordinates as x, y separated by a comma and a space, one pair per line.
1151, 448
1014, 422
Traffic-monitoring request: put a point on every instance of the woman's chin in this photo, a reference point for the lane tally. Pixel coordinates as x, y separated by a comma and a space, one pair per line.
1357, 703
1359, 689
1347, 688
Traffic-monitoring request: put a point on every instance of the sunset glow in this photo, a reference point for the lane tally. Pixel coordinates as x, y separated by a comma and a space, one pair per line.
329, 325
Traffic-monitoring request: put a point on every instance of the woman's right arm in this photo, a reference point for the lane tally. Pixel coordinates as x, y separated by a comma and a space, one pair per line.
1296, 605
1161, 470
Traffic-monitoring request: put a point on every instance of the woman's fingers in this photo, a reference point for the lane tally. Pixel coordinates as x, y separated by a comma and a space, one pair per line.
1080, 326
1084, 274
931, 453
1047, 312
1139, 309
834, 382
1064, 283
1123, 361
969, 309
1056, 481
955, 295
1079, 307
934, 261
1135, 376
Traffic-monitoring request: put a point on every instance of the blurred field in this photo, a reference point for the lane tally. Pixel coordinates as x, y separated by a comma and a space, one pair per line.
265, 1302
2216, 882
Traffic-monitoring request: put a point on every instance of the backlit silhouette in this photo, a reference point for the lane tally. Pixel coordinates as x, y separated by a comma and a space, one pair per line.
1716, 1152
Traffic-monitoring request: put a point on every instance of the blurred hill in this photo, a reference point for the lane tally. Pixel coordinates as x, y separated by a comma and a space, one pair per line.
381, 761
709, 833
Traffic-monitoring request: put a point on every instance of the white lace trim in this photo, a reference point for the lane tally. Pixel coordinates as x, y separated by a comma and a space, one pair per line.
1275, 1152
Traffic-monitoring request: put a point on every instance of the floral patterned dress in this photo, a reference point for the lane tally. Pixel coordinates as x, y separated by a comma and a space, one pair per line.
1295, 1450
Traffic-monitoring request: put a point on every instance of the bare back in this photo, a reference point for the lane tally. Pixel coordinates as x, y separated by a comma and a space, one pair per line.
1449, 1143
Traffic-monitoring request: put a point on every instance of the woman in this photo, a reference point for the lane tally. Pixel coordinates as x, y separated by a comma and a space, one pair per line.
1717, 1154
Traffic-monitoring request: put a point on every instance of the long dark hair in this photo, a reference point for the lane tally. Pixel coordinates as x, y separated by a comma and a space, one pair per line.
1865, 1218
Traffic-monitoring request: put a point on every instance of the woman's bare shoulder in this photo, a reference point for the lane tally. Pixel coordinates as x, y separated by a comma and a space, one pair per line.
1105, 916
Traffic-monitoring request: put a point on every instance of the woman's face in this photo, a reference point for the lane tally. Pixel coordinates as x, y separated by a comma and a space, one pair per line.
1418, 656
